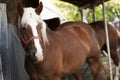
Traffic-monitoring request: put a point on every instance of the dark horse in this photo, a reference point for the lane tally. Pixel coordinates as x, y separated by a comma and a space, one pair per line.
53, 54
114, 39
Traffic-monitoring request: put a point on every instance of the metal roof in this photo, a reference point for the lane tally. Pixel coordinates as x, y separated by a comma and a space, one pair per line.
85, 3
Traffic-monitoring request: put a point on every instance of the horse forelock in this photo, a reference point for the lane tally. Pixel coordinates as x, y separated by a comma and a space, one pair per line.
32, 19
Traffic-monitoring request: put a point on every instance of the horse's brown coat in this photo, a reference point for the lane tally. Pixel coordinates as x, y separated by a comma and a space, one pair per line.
68, 49
113, 39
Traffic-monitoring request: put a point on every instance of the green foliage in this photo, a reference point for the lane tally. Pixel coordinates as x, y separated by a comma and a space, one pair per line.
99, 14
68, 10
112, 10
72, 14
110, 14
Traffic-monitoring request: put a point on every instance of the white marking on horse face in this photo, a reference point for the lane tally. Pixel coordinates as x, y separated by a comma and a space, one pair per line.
39, 53
32, 19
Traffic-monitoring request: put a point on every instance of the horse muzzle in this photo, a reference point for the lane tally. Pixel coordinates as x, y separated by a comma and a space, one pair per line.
36, 56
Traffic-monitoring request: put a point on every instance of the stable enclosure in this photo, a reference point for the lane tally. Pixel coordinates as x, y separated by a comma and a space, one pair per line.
11, 52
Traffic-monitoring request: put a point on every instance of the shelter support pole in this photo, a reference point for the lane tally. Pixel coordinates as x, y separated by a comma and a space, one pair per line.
81, 12
94, 13
118, 26
107, 40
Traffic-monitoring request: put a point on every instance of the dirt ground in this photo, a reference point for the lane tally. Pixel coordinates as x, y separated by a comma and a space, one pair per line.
113, 70
87, 74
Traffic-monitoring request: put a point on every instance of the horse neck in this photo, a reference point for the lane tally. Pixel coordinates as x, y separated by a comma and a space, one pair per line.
51, 36
47, 34
118, 32
99, 30
118, 38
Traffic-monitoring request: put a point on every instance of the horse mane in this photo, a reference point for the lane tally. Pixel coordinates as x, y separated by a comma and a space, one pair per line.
44, 34
118, 32
30, 17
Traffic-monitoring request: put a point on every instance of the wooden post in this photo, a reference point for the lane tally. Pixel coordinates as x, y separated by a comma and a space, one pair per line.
81, 12
94, 13
84, 14
107, 40
119, 25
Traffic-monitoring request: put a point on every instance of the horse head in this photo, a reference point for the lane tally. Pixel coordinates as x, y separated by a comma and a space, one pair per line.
32, 31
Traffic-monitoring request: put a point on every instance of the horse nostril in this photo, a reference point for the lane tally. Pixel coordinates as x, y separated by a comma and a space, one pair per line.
34, 52
33, 55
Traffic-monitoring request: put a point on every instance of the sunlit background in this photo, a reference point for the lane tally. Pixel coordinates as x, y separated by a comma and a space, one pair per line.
71, 11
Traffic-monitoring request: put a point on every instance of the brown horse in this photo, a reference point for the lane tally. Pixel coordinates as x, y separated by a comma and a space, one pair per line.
114, 39
53, 54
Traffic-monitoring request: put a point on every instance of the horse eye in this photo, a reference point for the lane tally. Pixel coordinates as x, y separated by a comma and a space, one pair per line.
24, 29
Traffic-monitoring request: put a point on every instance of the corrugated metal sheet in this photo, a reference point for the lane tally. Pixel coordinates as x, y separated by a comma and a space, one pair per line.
2, 33
11, 52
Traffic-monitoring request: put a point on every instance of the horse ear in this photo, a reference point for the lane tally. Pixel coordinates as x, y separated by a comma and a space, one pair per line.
20, 9
39, 8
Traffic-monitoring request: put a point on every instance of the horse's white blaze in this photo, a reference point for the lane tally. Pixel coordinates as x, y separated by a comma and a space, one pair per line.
39, 53
31, 18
